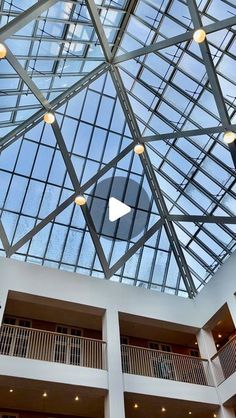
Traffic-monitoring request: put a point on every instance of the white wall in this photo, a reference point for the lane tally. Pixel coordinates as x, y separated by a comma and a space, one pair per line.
73, 287
115, 297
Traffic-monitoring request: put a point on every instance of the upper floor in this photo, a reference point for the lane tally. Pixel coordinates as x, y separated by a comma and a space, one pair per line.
60, 321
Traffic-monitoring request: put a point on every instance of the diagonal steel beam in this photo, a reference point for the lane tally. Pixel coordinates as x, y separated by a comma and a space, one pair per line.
96, 241
27, 80
68, 201
211, 72
213, 27
99, 29
4, 239
54, 105
184, 134
136, 247
65, 155
24, 18
124, 24
203, 219
153, 184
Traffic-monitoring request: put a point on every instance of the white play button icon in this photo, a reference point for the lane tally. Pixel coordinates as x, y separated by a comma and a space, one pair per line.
117, 209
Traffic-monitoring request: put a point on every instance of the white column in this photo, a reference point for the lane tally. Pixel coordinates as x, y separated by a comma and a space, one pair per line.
206, 344
207, 349
3, 301
114, 403
232, 308
225, 412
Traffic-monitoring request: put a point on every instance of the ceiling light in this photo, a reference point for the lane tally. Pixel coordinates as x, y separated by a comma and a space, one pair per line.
217, 345
135, 406
3, 51
190, 413
163, 409
195, 343
214, 415
229, 137
77, 398
11, 390
139, 149
219, 336
199, 36
49, 117
80, 200
45, 394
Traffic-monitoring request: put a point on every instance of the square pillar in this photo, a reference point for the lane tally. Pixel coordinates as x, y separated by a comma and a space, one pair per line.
114, 403
232, 309
3, 301
225, 412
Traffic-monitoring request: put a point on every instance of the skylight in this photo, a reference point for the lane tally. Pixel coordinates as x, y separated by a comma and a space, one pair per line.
115, 74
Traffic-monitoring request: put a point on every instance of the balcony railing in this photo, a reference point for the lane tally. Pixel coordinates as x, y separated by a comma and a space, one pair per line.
51, 346
224, 361
165, 365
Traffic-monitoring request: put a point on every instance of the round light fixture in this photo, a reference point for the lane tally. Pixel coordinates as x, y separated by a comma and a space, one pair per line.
139, 149
11, 390
45, 394
163, 409
199, 36
77, 398
135, 406
80, 200
3, 51
49, 117
229, 137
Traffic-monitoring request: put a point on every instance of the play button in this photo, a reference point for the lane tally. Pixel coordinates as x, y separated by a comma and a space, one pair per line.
117, 209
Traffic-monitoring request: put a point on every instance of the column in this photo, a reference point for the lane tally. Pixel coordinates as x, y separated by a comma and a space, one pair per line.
232, 308
225, 412
3, 301
114, 403
207, 349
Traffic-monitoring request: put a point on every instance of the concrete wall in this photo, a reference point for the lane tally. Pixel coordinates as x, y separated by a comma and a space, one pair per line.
113, 298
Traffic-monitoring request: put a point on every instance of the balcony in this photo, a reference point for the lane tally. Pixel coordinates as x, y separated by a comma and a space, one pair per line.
224, 361
51, 346
165, 365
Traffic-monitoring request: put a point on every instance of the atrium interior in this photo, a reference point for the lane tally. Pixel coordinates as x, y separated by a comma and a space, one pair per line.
132, 103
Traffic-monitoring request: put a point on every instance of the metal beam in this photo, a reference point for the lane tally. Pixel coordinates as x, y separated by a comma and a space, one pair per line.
24, 18
3, 237
54, 105
203, 219
22, 73
213, 27
136, 247
184, 134
99, 29
153, 184
125, 21
68, 201
65, 155
96, 241
211, 71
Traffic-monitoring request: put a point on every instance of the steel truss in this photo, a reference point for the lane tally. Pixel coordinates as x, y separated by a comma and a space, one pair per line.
110, 64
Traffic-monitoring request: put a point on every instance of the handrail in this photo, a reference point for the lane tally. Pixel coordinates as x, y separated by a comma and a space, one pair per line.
51, 346
223, 347
165, 365
224, 361
164, 352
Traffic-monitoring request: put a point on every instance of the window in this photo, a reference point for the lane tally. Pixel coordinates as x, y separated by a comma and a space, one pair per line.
161, 362
14, 341
67, 348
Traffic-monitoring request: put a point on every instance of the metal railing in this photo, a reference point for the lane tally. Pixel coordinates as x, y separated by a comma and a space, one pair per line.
224, 361
51, 346
164, 365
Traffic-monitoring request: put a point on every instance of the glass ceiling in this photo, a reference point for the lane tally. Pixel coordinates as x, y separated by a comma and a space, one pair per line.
116, 73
